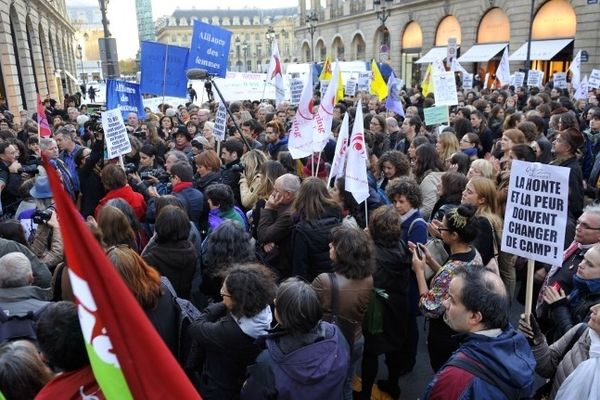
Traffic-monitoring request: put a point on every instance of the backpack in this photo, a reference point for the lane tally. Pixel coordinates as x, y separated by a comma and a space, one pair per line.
187, 314
17, 327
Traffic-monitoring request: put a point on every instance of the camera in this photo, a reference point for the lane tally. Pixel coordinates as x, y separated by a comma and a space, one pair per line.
161, 175
42, 216
31, 169
130, 168
238, 168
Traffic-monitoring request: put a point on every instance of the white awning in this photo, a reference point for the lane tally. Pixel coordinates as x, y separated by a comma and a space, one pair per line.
482, 52
540, 50
436, 53
70, 75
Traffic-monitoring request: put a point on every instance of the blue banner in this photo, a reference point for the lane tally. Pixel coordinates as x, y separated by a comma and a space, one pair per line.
125, 96
163, 69
210, 49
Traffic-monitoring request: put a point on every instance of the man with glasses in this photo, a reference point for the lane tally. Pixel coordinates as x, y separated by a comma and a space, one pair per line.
558, 282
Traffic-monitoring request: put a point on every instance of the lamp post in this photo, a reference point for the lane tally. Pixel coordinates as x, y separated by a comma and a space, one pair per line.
80, 57
270, 35
237, 50
382, 12
311, 20
245, 50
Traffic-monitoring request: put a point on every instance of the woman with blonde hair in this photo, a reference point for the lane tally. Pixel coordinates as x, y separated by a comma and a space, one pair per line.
251, 177
509, 138
481, 167
446, 145
208, 133
269, 171
154, 139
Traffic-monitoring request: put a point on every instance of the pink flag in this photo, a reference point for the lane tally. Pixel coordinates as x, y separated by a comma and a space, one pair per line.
42, 120
301, 134
324, 116
356, 164
275, 74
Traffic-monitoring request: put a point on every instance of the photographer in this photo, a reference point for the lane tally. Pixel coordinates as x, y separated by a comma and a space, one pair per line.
10, 179
47, 241
89, 164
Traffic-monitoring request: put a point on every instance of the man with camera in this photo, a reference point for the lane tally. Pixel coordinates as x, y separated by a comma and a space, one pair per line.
65, 139
47, 241
10, 179
49, 148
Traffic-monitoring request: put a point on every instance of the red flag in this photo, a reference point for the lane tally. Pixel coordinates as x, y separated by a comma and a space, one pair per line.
119, 336
42, 120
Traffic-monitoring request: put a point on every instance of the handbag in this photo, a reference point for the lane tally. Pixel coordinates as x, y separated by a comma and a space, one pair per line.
373, 321
438, 252
346, 325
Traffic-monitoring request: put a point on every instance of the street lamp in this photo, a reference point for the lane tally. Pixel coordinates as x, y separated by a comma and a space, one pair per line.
245, 50
382, 12
311, 20
238, 54
80, 57
270, 35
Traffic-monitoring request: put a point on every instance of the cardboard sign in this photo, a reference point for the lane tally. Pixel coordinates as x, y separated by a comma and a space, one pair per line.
519, 77
560, 80
363, 81
594, 79
436, 115
115, 134
220, 123
350, 88
467, 81
536, 211
296, 86
535, 78
444, 89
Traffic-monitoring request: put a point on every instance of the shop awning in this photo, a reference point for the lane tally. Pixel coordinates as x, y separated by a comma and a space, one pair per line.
436, 53
482, 52
540, 50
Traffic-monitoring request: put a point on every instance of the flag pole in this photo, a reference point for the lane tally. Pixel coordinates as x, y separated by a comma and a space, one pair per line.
165, 73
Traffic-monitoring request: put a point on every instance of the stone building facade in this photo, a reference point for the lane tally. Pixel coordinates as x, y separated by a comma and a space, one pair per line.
37, 50
249, 50
350, 30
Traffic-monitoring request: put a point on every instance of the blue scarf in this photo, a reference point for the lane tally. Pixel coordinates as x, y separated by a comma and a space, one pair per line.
583, 287
472, 151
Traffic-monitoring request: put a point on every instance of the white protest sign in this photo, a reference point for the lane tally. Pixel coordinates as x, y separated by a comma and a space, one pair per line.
519, 78
535, 78
153, 102
451, 55
594, 79
560, 80
115, 134
536, 211
444, 89
242, 86
363, 81
220, 123
296, 87
467, 81
324, 85
350, 88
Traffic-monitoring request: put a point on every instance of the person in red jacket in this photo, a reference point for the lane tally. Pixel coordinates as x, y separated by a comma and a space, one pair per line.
115, 182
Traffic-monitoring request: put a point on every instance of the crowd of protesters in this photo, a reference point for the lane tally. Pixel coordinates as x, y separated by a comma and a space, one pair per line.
300, 288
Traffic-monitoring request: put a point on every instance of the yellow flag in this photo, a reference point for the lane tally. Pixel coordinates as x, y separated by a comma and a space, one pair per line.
339, 95
427, 84
326, 72
378, 86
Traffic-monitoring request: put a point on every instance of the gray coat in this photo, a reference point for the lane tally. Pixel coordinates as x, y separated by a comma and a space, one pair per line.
558, 361
19, 301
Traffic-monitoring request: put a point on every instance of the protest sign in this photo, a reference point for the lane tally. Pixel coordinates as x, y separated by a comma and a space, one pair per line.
535, 78
220, 123
242, 86
324, 85
153, 102
163, 69
210, 48
467, 81
519, 77
444, 89
560, 80
115, 134
125, 96
536, 211
350, 88
594, 80
296, 87
436, 115
363, 81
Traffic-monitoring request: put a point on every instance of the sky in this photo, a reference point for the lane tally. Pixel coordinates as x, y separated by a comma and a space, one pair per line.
123, 26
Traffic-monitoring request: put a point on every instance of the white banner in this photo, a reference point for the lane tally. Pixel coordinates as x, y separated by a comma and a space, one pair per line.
519, 77
296, 86
444, 89
350, 88
536, 212
535, 78
560, 80
363, 81
467, 81
220, 123
594, 80
242, 86
115, 134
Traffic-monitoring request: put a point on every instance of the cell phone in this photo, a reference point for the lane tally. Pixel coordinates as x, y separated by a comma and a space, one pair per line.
420, 250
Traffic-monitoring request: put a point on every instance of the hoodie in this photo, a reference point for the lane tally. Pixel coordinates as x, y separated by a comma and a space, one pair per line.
507, 358
309, 366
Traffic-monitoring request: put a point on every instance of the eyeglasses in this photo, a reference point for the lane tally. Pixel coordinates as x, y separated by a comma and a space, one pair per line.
223, 294
583, 225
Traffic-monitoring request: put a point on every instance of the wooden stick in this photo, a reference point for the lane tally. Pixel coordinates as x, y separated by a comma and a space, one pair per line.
529, 288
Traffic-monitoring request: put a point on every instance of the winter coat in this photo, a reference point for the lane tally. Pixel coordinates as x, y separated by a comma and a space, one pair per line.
310, 244
507, 358
429, 185
300, 367
275, 226
135, 200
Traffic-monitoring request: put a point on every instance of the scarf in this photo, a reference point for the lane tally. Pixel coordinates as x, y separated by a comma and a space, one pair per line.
584, 382
471, 152
581, 287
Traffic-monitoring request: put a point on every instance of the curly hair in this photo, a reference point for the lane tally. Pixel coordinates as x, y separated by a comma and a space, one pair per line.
353, 252
407, 187
227, 245
385, 226
221, 194
398, 159
252, 287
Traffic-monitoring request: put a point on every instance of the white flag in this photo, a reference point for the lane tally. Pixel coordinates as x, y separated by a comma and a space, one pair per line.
275, 74
582, 90
438, 67
503, 71
341, 151
356, 164
301, 134
456, 67
575, 69
324, 116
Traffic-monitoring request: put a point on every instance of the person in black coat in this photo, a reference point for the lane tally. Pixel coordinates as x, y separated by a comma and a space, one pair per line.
566, 145
89, 165
223, 339
316, 214
174, 256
